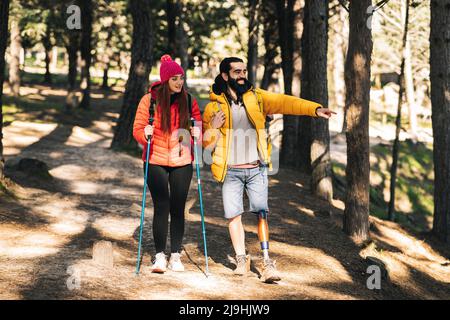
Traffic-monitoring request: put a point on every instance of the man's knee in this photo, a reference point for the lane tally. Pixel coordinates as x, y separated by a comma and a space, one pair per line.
234, 220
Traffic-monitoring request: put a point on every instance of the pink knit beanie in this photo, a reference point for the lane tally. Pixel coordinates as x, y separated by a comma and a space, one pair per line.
169, 68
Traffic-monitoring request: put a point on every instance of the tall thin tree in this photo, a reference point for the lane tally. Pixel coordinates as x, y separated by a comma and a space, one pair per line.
357, 80
398, 121
47, 43
15, 47
4, 15
87, 8
141, 64
285, 12
315, 88
440, 98
176, 33
253, 31
271, 42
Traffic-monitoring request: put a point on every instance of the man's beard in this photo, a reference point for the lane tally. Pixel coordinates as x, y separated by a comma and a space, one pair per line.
240, 89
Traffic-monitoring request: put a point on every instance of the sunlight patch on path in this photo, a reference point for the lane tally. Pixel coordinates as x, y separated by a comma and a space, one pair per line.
116, 228
21, 134
81, 137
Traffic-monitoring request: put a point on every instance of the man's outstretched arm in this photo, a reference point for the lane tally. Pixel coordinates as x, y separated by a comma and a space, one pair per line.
274, 103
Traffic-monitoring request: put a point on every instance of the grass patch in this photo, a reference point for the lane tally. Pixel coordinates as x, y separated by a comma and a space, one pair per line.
414, 184
60, 80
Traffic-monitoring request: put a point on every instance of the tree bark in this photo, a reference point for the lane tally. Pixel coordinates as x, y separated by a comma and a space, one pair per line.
171, 28
177, 35
440, 99
106, 58
398, 121
141, 63
410, 91
14, 65
297, 47
285, 11
46, 41
182, 38
339, 44
72, 49
315, 88
253, 30
270, 25
85, 50
4, 14
357, 80
304, 134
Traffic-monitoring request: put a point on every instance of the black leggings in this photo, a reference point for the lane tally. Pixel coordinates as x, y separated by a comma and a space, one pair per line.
158, 180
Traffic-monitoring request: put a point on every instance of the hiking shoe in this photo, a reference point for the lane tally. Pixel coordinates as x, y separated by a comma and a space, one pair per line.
175, 262
160, 263
270, 273
242, 265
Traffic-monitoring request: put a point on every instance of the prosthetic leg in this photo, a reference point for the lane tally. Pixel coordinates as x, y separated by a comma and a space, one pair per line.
263, 233
269, 272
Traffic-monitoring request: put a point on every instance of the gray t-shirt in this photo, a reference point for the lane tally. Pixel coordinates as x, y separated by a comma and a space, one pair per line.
244, 141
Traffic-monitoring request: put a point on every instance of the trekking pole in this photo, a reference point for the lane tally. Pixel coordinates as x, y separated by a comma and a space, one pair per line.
201, 199
144, 194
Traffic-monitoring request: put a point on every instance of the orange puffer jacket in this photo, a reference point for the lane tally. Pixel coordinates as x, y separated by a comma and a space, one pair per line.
166, 148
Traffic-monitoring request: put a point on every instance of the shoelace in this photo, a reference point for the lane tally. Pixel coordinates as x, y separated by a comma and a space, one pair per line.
241, 259
269, 264
175, 258
160, 257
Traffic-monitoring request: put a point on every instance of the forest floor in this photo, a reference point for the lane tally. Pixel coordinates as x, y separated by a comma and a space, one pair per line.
48, 226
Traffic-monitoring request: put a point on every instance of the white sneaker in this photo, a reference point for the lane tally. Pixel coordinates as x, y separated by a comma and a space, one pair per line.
175, 262
160, 263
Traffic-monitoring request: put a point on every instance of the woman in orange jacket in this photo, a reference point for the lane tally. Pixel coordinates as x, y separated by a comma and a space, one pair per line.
170, 159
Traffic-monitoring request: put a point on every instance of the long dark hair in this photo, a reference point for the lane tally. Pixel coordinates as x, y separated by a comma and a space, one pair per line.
163, 100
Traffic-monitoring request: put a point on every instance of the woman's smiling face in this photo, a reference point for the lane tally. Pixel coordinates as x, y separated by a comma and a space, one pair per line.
176, 83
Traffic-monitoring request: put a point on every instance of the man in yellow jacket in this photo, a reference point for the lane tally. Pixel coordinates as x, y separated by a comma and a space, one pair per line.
235, 133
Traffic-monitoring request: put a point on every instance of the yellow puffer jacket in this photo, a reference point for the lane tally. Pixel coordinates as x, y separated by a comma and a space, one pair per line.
258, 103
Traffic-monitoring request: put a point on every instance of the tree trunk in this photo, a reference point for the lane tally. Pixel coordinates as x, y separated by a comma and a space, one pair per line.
171, 28
14, 65
141, 63
285, 11
46, 41
106, 57
340, 35
253, 30
315, 88
105, 77
182, 38
72, 49
85, 50
270, 25
410, 92
398, 121
440, 99
304, 127
297, 28
4, 14
177, 36
357, 80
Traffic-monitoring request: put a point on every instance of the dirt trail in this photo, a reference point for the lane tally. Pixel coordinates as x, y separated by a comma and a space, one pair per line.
47, 233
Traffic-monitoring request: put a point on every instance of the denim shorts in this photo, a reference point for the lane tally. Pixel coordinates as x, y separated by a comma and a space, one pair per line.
255, 183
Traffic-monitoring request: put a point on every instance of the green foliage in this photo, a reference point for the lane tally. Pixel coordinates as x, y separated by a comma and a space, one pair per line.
414, 191
112, 32
202, 18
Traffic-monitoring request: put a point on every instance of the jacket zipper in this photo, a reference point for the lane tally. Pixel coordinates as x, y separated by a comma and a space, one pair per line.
228, 142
